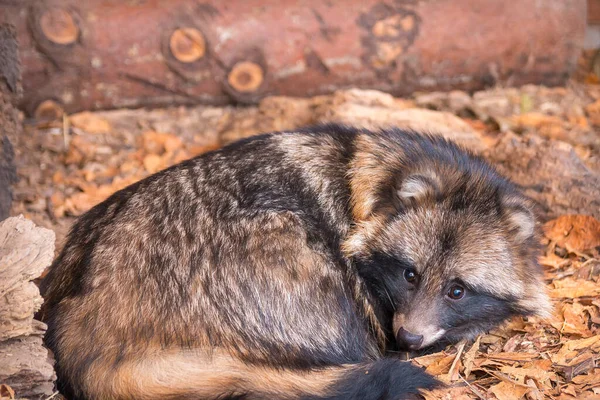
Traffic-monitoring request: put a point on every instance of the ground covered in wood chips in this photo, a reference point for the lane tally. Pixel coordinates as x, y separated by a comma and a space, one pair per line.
67, 166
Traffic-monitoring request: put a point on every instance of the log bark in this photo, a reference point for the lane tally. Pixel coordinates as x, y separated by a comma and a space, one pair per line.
101, 54
25, 364
10, 89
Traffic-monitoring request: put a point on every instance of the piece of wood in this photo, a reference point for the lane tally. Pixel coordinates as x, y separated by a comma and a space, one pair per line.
17, 308
10, 90
550, 172
25, 364
593, 11
101, 54
25, 251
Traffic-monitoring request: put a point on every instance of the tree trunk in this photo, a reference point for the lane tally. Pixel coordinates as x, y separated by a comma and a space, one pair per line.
10, 89
100, 54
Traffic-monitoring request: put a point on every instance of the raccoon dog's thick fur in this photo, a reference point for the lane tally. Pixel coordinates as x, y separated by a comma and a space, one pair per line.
285, 265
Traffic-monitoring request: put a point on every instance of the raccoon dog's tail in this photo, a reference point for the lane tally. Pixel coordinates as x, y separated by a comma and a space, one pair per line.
188, 375
383, 379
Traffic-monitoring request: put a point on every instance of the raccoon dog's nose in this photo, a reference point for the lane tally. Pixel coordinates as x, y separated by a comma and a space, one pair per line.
409, 340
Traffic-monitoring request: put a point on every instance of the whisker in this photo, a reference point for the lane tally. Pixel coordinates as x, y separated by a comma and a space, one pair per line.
390, 298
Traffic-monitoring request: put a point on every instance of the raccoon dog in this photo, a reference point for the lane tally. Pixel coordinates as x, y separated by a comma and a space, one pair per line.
285, 265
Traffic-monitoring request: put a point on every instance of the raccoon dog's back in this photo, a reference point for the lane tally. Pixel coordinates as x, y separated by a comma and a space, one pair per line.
237, 274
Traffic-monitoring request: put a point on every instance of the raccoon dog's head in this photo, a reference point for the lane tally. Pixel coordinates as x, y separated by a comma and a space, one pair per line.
444, 243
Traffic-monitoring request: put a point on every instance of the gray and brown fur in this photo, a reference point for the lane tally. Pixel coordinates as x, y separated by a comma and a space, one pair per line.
273, 268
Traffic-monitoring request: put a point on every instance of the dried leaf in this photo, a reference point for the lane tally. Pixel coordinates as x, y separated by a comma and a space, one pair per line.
153, 163
569, 389
172, 143
129, 166
536, 120
80, 151
574, 232
508, 391
58, 178
512, 356
534, 393
593, 109
575, 321
581, 364
470, 357
80, 202
441, 366
592, 343
571, 288
159, 143
196, 150
520, 374
450, 393
6, 392
57, 202
152, 142
568, 351
512, 343
453, 373
90, 122
590, 379
427, 360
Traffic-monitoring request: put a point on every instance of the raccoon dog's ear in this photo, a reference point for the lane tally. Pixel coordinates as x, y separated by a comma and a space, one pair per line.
520, 218
418, 188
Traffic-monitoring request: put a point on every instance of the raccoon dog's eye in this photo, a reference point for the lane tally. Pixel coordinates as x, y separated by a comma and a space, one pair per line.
456, 292
410, 275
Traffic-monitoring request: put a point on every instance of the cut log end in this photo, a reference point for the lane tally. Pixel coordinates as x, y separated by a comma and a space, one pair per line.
59, 27
187, 45
246, 77
48, 110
